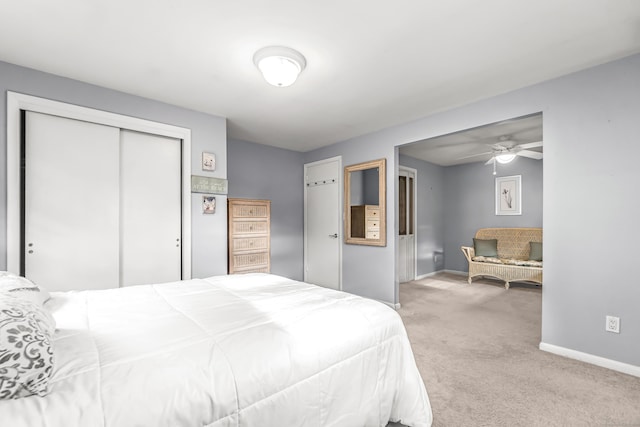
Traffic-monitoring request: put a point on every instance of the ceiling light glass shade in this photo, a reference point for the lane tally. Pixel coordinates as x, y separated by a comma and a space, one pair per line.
279, 65
505, 158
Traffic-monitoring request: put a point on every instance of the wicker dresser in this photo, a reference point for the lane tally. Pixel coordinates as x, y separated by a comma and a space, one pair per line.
249, 236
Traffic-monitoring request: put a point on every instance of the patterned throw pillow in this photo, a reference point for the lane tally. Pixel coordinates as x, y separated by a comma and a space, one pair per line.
23, 288
26, 353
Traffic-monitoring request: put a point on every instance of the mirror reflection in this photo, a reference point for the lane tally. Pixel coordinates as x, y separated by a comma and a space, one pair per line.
364, 203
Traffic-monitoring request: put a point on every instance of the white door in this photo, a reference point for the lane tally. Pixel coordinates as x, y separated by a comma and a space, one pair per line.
406, 229
71, 203
150, 211
322, 254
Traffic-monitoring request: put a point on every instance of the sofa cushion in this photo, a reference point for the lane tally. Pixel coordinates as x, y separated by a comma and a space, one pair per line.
535, 251
522, 262
486, 248
491, 260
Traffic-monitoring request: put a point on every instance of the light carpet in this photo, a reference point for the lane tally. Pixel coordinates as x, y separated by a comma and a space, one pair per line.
477, 349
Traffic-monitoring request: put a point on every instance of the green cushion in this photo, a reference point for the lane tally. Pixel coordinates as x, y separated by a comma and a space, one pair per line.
488, 248
535, 251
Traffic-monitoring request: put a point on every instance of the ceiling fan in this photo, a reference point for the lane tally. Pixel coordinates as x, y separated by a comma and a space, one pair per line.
505, 150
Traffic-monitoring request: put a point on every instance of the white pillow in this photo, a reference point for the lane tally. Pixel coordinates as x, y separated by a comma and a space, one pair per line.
23, 288
26, 352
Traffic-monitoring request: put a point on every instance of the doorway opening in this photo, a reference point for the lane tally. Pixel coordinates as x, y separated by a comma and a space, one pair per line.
456, 192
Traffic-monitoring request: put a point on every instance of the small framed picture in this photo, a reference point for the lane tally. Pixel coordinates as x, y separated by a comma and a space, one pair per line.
509, 195
208, 161
208, 205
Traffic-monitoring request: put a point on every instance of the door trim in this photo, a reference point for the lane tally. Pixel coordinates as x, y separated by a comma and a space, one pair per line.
415, 216
339, 214
17, 102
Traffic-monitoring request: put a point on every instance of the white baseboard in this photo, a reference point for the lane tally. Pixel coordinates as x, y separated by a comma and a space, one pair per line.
459, 273
390, 304
424, 276
590, 358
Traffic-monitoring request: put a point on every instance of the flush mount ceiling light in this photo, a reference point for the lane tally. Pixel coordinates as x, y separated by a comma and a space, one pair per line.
279, 65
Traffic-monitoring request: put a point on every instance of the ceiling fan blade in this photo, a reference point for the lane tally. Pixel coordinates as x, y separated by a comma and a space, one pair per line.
530, 145
530, 154
475, 155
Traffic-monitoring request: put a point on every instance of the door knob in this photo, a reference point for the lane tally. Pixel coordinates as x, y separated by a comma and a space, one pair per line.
334, 235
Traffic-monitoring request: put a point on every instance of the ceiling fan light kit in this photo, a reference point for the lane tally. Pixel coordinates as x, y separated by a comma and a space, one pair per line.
279, 65
505, 158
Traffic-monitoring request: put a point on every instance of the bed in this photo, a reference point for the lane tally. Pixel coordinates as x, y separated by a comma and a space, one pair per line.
239, 350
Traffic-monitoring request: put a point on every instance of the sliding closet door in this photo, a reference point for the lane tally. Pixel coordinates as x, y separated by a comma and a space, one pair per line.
150, 200
71, 203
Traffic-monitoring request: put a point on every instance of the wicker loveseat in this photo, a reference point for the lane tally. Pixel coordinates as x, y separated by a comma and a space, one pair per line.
512, 262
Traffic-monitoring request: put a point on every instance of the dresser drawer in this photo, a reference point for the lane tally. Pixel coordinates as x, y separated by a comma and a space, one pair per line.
251, 270
373, 234
252, 260
372, 211
249, 244
249, 211
249, 227
373, 225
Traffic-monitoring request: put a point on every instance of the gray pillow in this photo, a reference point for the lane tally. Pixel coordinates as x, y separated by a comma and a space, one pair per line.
488, 248
26, 353
535, 251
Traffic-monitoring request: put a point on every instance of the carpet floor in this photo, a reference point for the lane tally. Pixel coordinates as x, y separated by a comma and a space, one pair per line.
476, 347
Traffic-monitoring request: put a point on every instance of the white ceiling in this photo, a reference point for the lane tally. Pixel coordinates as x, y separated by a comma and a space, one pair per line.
370, 63
475, 145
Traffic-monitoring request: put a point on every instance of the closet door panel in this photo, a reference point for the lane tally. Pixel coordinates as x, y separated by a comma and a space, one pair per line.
151, 208
71, 203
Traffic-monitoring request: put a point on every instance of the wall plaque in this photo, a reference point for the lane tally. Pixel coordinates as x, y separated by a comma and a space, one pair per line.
208, 185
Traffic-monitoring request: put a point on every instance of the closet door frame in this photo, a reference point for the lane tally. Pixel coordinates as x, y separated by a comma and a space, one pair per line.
17, 102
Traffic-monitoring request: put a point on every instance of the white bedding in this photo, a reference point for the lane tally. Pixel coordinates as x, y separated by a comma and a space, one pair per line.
241, 350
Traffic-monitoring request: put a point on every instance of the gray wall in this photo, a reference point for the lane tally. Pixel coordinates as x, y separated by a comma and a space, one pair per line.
262, 172
470, 203
589, 208
208, 134
431, 216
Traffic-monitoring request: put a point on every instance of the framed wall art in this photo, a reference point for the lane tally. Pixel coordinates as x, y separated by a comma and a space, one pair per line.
509, 195
208, 161
208, 205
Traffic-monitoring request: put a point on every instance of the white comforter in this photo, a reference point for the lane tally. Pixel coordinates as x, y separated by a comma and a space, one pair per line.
243, 350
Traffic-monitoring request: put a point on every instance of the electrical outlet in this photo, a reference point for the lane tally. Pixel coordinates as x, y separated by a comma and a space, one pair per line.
613, 324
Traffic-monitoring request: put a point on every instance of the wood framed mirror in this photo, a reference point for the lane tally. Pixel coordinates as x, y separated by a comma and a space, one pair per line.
365, 191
